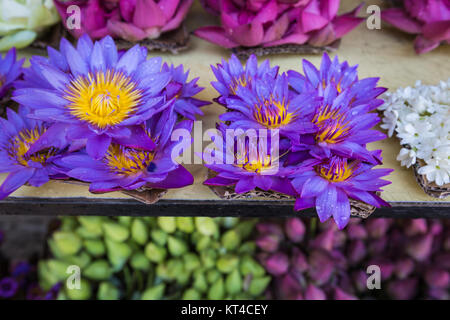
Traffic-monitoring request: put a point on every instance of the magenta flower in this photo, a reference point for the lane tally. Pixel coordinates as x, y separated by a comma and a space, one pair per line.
132, 20
330, 185
428, 19
269, 23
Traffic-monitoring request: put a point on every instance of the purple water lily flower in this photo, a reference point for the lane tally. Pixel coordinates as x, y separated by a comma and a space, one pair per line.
129, 168
330, 185
10, 71
17, 157
231, 75
99, 94
183, 92
253, 166
8, 287
269, 104
344, 120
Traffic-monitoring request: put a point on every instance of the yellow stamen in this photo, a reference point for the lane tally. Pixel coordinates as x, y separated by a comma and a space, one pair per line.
103, 99
242, 81
21, 143
330, 131
272, 113
337, 171
127, 161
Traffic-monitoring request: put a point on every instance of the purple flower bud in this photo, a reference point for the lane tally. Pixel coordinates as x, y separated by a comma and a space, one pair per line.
314, 293
342, 295
320, 267
277, 264
404, 267
8, 287
420, 247
268, 243
295, 229
270, 228
415, 227
340, 239
436, 228
298, 261
324, 240
356, 251
288, 287
377, 228
356, 231
377, 246
435, 277
404, 289
339, 259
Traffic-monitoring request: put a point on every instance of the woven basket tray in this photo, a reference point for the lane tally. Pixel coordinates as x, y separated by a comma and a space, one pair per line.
173, 41
357, 208
142, 194
430, 188
244, 53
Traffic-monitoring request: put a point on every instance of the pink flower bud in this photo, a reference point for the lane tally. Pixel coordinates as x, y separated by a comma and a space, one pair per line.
437, 278
342, 295
314, 293
277, 264
268, 243
415, 227
356, 231
295, 229
356, 251
324, 240
320, 267
403, 268
404, 289
377, 228
298, 261
420, 247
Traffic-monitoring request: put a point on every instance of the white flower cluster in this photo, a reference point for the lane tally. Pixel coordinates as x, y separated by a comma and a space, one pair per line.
420, 116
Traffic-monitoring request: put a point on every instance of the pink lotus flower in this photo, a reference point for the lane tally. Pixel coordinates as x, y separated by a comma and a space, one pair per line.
429, 19
132, 20
250, 23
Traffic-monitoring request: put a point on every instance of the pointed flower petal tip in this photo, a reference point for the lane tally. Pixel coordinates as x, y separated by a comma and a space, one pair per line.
21, 22
428, 19
10, 71
276, 22
129, 20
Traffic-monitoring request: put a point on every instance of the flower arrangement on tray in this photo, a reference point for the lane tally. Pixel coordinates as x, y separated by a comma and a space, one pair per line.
319, 125
155, 24
97, 116
428, 19
420, 118
276, 26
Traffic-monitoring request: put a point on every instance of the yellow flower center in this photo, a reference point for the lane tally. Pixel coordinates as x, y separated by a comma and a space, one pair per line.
127, 161
332, 124
21, 143
272, 113
242, 81
103, 99
337, 170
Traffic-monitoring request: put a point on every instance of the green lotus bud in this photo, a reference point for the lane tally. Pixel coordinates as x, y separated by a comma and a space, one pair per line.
227, 263
92, 224
95, 247
140, 262
68, 223
203, 243
233, 282
168, 224
98, 270
208, 258
212, 275
250, 266
54, 249
191, 262
67, 243
118, 253
155, 253
176, 246
82, 293
154, 293
183, 278
58, 269
86, 234
174, 267
200, 282
191, 294
231, 240
139, 231
116, 231
206, 226
245, 228
258, 285
217, 290
46, 278
163, 272
229, 222
107, 291
159, 237
82, 259
125, 221
248, 247
185, 224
